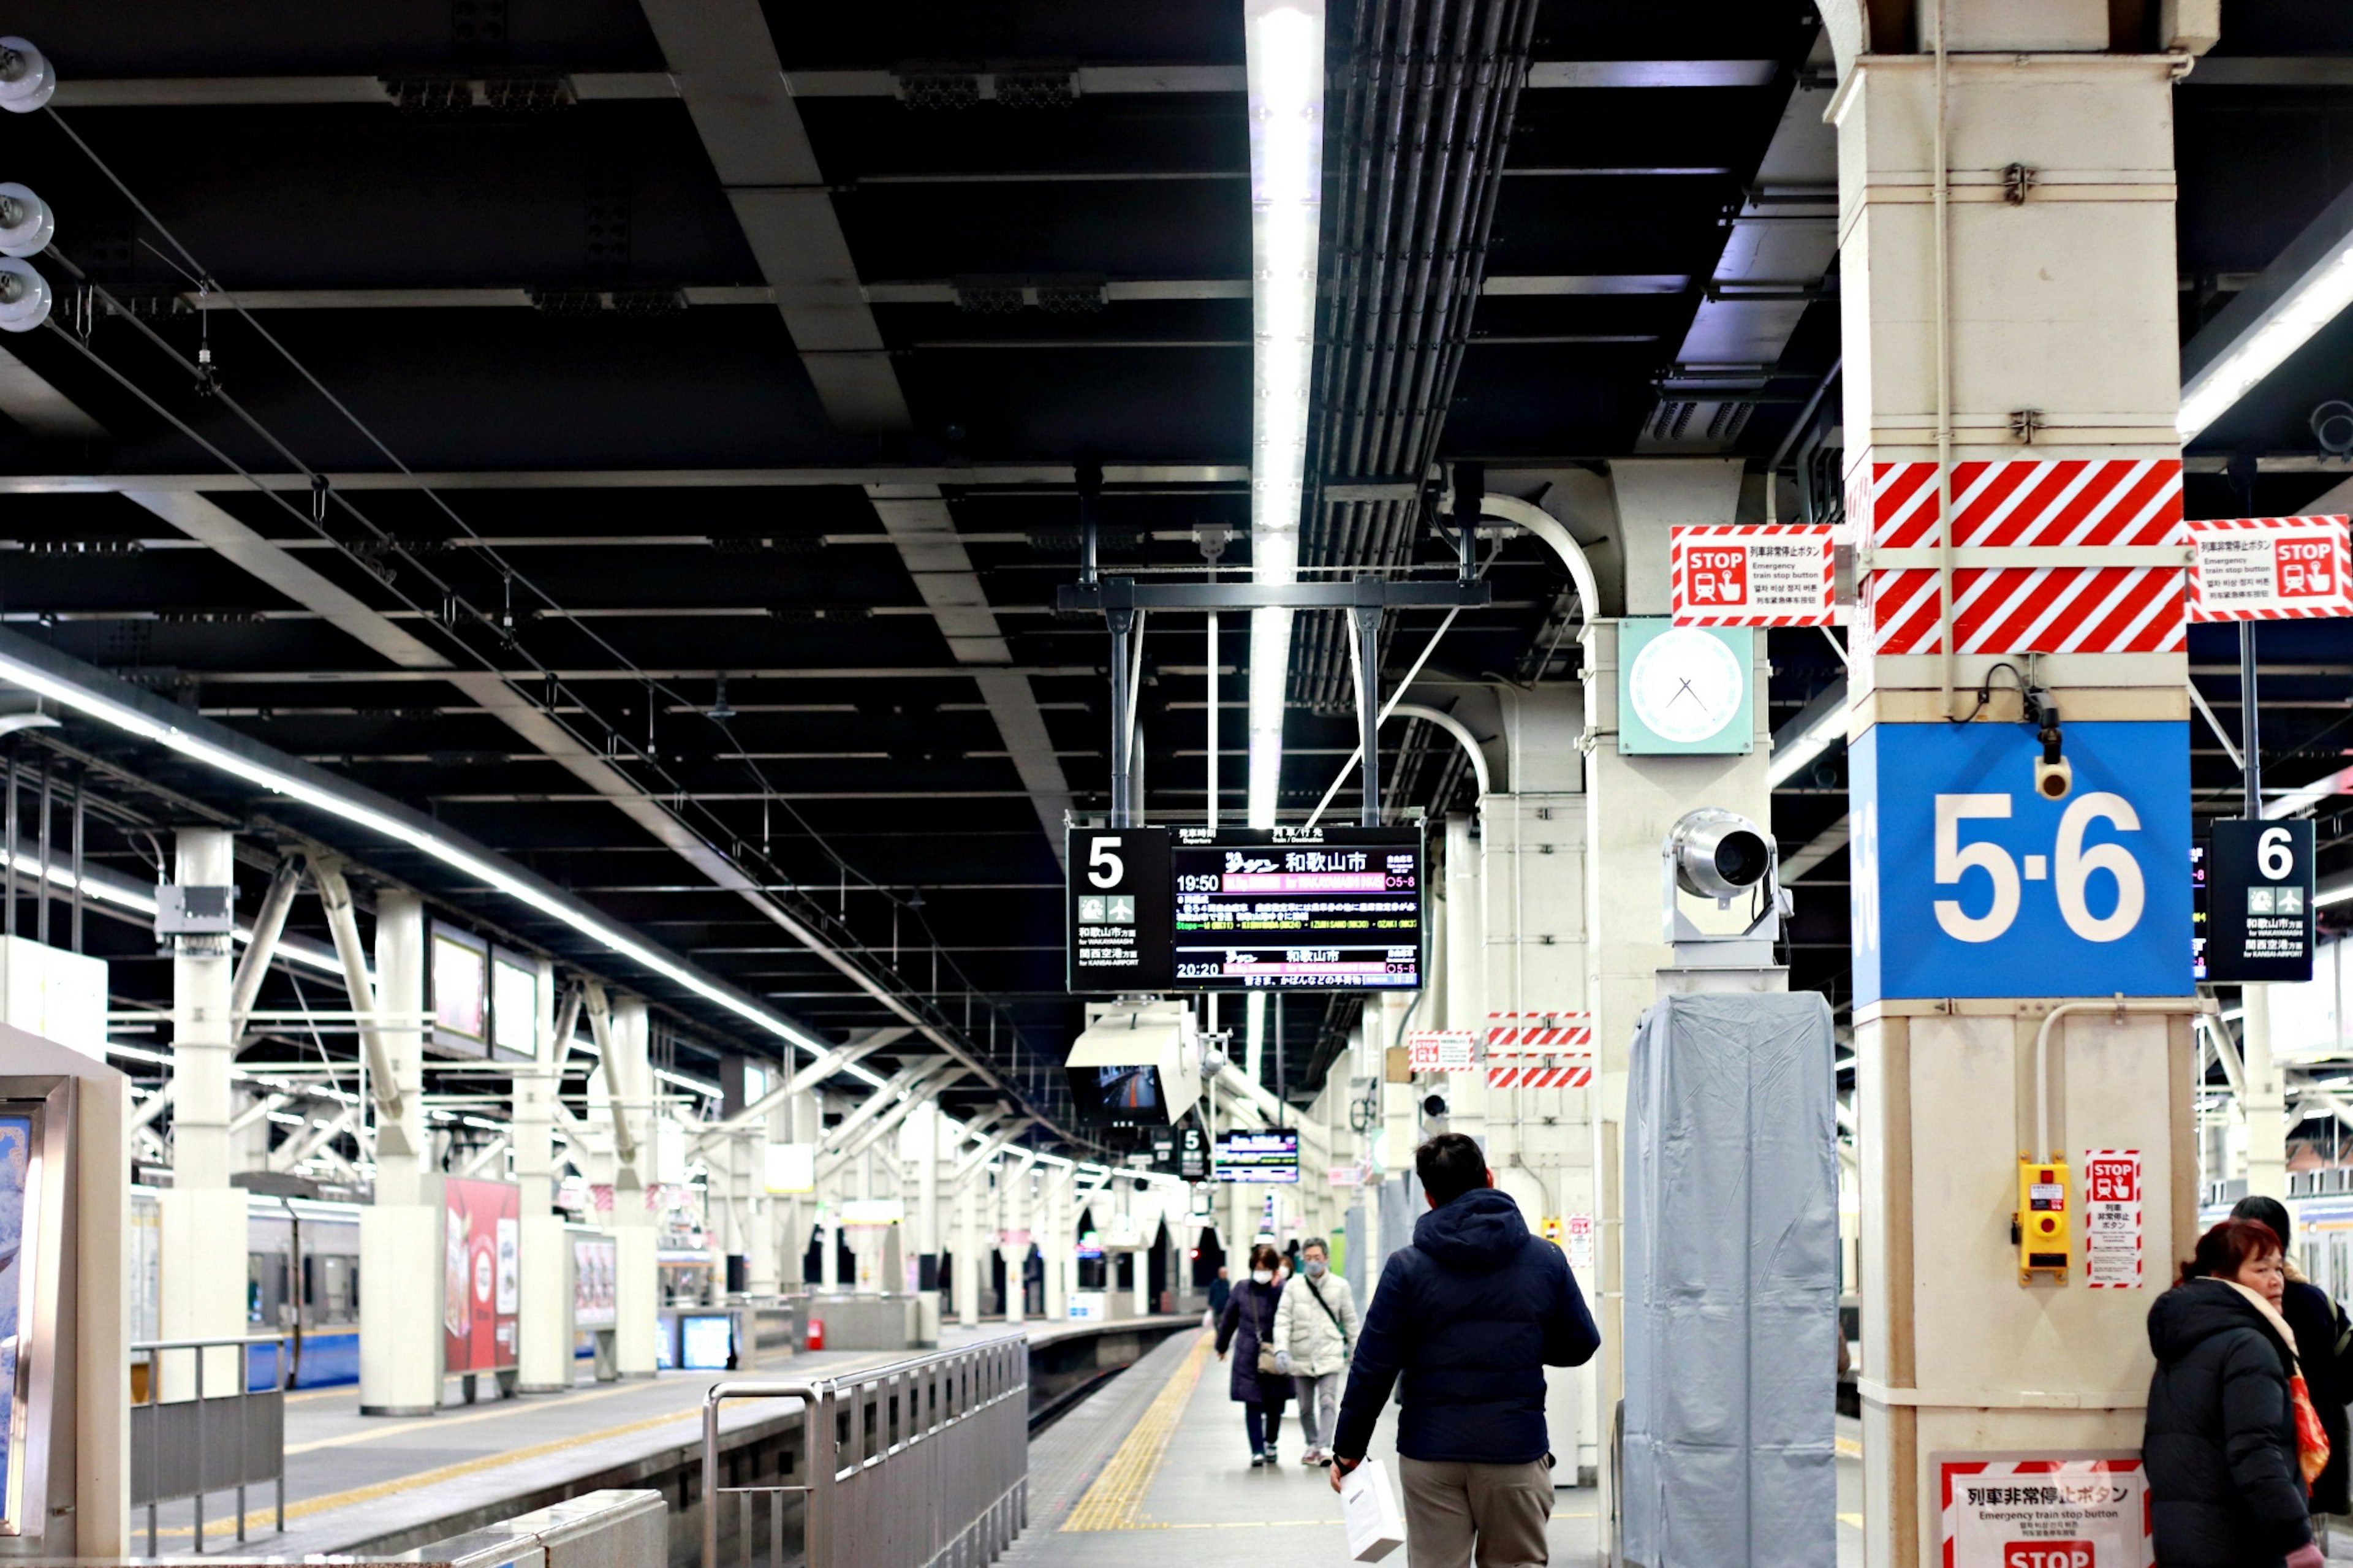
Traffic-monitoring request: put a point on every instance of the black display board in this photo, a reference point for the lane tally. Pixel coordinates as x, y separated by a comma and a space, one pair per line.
1262, 1156
1286, 908
2259, 923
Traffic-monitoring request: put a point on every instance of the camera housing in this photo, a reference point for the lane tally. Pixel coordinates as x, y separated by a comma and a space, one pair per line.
2053, 778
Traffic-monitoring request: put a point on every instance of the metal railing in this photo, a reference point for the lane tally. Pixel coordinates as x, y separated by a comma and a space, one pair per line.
923, 1463
187, 1447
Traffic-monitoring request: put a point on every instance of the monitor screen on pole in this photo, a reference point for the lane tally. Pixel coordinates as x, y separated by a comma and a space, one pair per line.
1287, 909
1265, 1155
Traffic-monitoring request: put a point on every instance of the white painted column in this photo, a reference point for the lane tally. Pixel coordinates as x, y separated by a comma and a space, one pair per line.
401, 1265
543, 1357
923, 1141
828, 1204
1013, 1246
968, 1251
1056, 1245
636, 1291
201, 1283
1465, 1005
1142, 1294
2066, 305
2265, 1104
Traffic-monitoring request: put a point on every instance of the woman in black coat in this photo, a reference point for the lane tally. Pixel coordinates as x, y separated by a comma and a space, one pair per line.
2221, 1449
1248, 1322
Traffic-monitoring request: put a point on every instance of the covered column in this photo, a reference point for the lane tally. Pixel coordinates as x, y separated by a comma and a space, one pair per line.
636, 1292
1644, 768
401, 1267
1983, 904
544, 1357
201, 1283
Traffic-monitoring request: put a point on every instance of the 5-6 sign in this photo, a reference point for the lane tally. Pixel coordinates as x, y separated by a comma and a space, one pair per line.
1969, 883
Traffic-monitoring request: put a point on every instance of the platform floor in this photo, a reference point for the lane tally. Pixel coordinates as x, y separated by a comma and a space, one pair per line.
352, 1478
1162, 1450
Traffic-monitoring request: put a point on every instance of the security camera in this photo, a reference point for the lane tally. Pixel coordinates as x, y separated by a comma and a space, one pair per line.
1712, 853
2053, 774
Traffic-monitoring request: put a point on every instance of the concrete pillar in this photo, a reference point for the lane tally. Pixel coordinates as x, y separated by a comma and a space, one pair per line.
1465, 995
2265, 1105
1056, 1244
544, 1356
1013, 1243
2064, 305
201, 1262
1142, 1254
401, 1265
637, 1286
968, 1274
828, 1209
927, 1130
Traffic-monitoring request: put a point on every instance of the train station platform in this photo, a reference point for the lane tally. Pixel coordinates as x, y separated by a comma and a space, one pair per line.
1161, 1449
377, 1486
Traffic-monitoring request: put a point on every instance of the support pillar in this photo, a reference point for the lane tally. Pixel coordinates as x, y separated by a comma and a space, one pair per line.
401, 1267
544, 1356
2265, 1103
1965, 319
925, 1140
1057, 1246
201, 1283
1141, 1257
636, 1291
967, 1253
1013, 1241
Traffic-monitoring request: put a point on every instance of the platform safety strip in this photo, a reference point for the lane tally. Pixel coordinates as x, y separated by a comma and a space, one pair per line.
1117, 1495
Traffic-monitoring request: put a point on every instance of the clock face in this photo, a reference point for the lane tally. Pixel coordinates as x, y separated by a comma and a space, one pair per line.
1686, 685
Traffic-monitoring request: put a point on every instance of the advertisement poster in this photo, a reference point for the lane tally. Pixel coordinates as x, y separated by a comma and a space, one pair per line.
480, 1274
2055, 1511
595, 1261
16, 1159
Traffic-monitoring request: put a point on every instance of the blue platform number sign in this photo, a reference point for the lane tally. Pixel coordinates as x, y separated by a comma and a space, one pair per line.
1968, 883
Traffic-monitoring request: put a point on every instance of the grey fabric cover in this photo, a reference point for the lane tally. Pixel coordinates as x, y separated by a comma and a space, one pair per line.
1731, 1268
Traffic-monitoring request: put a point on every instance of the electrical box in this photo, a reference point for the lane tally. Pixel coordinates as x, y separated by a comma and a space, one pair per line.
2041, 1228
182, 910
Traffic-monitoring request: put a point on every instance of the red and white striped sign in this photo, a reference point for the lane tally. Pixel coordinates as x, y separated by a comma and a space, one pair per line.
2112, 1218
2064, 1511
2030, 504
1771, 574
1539, 1050
2269, 569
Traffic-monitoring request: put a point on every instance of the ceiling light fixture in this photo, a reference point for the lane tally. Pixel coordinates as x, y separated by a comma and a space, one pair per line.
2308, 287
1283, 40
69, 693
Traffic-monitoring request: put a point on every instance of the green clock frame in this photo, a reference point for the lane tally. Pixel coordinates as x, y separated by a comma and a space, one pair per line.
1636, 738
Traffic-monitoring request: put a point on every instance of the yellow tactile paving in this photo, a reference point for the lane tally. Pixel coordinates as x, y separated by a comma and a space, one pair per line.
1117, 1495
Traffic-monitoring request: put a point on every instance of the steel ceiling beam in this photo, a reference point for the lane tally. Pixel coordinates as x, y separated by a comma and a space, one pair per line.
968, 475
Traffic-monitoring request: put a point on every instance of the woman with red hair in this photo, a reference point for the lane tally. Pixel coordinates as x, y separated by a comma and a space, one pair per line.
2232, 1443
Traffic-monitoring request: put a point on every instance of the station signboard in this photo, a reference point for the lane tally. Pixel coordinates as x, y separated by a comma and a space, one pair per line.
2258, 888
1969, 882
1286, 908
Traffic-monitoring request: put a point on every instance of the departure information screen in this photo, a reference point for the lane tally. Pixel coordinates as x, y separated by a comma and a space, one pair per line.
1287, 909
1270, 1155
1269, 911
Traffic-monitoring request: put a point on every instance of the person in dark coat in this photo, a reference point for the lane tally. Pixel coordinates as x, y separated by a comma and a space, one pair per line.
2323, 1339
1468, 1315
1248, 1322
2225, 1487
1222, 1290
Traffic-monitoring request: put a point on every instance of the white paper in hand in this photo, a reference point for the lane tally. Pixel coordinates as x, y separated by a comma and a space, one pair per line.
1368, 1507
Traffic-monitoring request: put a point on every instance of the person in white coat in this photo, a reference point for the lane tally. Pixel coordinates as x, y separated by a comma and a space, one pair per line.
1314, 1335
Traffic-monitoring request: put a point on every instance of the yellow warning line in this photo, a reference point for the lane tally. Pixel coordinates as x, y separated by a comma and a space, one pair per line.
1848, 1447
1111, 1504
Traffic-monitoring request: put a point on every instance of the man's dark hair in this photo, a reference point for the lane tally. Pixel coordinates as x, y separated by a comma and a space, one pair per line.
1449, 1165
2266, 1211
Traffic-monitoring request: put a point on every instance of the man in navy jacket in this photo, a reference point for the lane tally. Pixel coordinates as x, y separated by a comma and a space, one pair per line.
1468, 1315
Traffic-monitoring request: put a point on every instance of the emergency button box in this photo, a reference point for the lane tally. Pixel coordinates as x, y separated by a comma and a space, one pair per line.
2042, 1229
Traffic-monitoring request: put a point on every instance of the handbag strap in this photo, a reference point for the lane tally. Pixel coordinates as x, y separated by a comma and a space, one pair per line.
1327, 1311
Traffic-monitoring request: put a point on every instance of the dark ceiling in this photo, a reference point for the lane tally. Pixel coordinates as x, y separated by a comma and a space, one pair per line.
652, 355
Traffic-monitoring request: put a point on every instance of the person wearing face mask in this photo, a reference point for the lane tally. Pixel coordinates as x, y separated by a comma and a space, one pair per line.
1258, 1383
1315, 1333
2232, 1444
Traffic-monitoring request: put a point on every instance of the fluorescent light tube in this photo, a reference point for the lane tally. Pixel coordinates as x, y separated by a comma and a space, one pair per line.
1284, 41
2310, 303
68, 694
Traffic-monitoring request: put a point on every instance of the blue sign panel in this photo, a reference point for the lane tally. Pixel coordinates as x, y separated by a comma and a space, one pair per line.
1966, 882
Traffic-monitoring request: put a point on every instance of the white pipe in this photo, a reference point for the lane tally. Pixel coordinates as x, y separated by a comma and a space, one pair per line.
269, 925
1944, 381
1211, 815
335, 895
1355, 661
1549, 528
2189, 1004
1456, 728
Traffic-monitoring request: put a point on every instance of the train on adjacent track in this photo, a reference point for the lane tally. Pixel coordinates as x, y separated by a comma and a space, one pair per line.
302, 1280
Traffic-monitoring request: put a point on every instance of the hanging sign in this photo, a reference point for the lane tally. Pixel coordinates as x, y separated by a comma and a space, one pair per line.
2269, 569
1443, 1051
2052, 1510
2259, 918
1773, 574
2111, 1219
